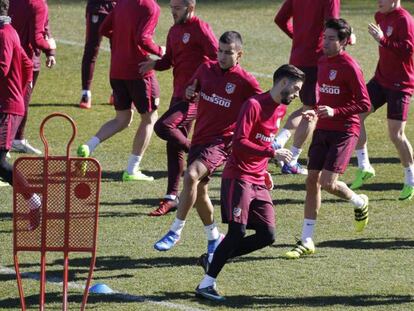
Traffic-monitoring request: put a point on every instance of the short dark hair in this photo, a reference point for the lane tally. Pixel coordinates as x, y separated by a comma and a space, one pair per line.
4, 7
230, 37
188, 2
288, 71
341, 26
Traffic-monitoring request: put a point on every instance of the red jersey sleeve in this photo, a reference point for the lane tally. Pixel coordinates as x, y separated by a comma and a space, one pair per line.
145, 31
284, 18
106, 26
49, 35
6, 54
198, 75
27, 68
252, 88
39, 19
166, 61
332, 9
209, 41
361, 98
403, 44
248, 117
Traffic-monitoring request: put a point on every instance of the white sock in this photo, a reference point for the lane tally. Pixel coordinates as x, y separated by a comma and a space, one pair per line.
171, 197
283, 137
212, 232
207, 281
363, 160
295, 155
19, 141
409, 175
307, 229
87, 93
133, 163
34, 202
93, 143
177, 226
356, 200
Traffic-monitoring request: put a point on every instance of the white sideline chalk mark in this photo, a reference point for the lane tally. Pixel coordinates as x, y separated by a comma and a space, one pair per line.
73, 43
116, 294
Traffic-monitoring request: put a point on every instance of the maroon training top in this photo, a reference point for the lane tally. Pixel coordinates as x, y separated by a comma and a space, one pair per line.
15, 71
130, 26
188, 46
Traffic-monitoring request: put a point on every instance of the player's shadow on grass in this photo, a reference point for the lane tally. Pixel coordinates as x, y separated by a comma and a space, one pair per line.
5, 216
378, 160
372, 243
95, 301
266, 302
382, 187
234, 302
114, 263
111, 176
54, 105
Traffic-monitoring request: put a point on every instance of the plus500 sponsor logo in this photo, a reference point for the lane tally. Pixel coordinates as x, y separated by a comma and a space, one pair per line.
215, 99
329, 89
262, 137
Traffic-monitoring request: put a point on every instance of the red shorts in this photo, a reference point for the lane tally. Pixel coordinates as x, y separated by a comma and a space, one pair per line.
246, 203
181, 114
309, 92
398, 102
141, 92
331, 150
9, 123
211, 155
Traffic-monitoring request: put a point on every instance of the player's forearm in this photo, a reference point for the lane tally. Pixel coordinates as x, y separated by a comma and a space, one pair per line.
402, 48
246, 146
163, 64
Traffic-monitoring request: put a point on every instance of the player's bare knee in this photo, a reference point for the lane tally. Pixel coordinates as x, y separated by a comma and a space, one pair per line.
328, 185
312, 182
190, 177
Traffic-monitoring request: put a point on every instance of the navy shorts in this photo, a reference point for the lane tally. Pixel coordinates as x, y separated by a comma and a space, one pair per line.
246, 203
9, 123
331, 150
141, 92
398, 102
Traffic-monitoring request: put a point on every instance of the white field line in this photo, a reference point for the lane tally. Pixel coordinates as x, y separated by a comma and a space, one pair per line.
73, 43
116, 294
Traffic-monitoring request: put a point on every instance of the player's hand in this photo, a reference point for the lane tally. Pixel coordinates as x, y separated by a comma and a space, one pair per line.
375, 31
163, 49
50, 61
309, 115
190, 92
352, 39
52, 43
325, 112
146, 66
269, 181
283, 154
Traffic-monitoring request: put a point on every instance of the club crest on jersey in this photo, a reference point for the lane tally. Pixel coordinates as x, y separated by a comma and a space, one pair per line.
230, 87
389, 31
95, 18
186, 38
237, 211
332, 74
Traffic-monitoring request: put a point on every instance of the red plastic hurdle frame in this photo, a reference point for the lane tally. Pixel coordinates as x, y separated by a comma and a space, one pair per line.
67, 220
